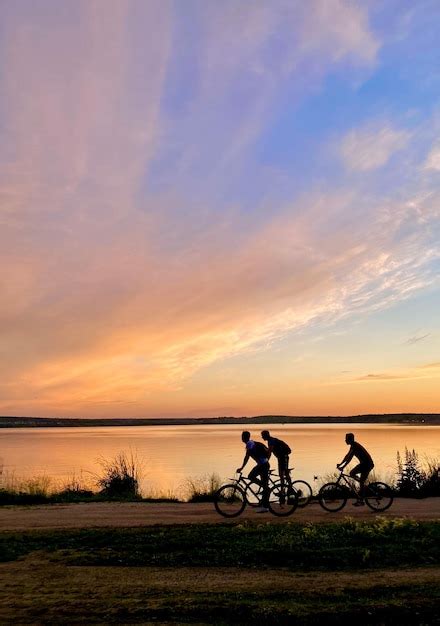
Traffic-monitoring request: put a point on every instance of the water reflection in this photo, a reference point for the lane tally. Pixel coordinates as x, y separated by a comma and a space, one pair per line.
172, 453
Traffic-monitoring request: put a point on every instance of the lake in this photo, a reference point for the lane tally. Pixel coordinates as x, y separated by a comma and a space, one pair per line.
171, 454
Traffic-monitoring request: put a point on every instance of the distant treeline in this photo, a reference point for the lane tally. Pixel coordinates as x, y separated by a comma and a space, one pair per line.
390, 418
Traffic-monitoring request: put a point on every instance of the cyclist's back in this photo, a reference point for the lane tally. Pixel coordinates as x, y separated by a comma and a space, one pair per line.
361, 454
257, 451
278, 446
281, 451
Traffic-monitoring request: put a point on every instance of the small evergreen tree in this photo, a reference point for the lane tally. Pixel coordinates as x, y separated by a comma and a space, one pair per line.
410, 476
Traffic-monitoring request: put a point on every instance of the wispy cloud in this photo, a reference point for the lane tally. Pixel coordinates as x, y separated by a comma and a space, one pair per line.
378, 377
433, 159
370, 147
416, 339
421, 371
140, 238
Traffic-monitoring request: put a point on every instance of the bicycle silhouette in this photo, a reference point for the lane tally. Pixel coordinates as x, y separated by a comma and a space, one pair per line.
301, 487
231, 499
333, 496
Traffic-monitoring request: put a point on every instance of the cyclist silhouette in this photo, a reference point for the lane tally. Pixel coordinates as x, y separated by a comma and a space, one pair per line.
363, 468
259, 453
281, 451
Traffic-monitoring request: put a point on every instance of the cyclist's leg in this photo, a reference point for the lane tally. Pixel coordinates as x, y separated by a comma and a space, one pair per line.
288, 476
360, 473
264, 473
354, 473
254, 474
357, 469
366, 469
281, 472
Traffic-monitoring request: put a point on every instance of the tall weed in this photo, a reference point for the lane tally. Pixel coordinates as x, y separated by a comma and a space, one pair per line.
121, 476
201, 488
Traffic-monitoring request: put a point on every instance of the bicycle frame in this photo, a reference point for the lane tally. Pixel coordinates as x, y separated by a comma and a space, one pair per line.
231, 499
249, 485
348, 482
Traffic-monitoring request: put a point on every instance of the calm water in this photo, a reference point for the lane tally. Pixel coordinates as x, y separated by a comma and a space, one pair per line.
170, 454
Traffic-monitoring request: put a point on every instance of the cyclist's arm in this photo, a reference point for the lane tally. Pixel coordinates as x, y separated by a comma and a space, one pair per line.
270, 448
346, 460
245, 460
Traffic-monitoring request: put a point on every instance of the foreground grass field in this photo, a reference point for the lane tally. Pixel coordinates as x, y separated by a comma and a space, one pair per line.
375, 572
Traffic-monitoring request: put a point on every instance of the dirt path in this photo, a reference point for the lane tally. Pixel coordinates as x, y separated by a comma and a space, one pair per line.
147, 514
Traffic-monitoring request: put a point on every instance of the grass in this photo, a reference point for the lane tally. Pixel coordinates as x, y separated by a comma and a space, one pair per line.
118, 481
201, 488
375, 572
300, 547
67, 594
8, 497
146, 596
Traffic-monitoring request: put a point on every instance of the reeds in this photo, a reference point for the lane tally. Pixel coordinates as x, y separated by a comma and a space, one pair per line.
14, 490
201, 488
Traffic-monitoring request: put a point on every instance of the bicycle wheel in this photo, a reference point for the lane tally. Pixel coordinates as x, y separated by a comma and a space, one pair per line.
378, 496
304, 492
332, 497
282, 503
229, 501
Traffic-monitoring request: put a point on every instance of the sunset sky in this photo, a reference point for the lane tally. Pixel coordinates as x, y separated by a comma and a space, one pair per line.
219, 208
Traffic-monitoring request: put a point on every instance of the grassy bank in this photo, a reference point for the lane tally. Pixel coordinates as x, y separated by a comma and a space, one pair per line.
119, 480
372, 572
344, 545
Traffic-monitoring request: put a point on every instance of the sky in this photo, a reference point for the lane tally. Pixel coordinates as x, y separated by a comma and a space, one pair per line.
219, 208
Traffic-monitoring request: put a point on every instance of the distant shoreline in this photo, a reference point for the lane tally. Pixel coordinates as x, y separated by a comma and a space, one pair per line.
427, 419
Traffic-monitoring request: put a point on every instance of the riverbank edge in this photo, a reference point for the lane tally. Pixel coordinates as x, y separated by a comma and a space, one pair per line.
422, 419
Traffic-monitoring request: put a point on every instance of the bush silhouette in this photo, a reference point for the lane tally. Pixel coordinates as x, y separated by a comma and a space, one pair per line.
121, 477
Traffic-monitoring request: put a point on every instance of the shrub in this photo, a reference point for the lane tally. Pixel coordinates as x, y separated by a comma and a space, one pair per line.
431, 486
121, 476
